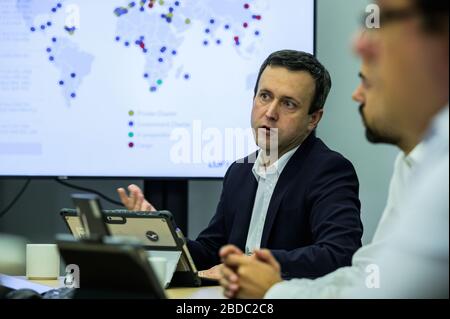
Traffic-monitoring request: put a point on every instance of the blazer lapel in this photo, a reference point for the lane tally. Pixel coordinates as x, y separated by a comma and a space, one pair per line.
244, 211
288, 175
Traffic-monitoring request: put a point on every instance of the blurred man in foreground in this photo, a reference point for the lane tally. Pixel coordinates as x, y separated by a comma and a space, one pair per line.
407, 101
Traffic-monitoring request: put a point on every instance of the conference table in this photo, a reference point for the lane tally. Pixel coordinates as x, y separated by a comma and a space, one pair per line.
212, 292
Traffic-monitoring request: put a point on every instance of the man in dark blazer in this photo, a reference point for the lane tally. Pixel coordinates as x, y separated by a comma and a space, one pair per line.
295, 196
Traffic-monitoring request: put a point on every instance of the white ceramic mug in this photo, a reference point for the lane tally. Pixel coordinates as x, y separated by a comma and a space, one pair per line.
159, 265
43, 261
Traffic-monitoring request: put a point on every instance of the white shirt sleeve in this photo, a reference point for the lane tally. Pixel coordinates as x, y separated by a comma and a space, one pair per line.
335, 284
409, 255
414, 261
332, 285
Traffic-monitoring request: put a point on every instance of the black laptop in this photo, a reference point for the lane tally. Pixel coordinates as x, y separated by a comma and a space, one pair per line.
108, 267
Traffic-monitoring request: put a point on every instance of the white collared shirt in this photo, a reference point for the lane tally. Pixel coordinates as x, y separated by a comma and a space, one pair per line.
267, 178
409, 252
414, 262
335, 284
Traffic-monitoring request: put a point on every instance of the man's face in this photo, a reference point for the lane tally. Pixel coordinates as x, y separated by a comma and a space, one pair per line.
363, 95
282, 102
398, 52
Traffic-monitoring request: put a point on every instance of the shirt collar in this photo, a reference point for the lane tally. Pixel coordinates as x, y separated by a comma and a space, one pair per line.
259, 170
415, 156
441, 122
440, 126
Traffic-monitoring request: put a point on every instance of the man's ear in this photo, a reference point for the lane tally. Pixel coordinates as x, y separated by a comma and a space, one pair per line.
315, 119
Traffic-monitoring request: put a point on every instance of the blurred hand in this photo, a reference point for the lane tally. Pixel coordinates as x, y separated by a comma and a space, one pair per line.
228, 277
211, 273
228, 250
216, 271
229, 281
135, 201
250, 277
